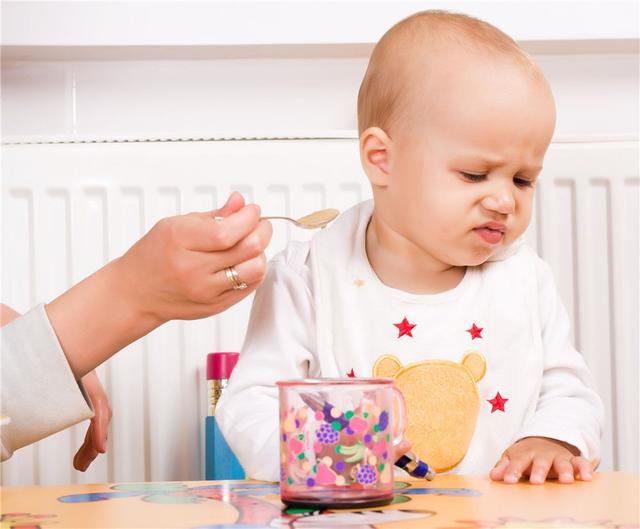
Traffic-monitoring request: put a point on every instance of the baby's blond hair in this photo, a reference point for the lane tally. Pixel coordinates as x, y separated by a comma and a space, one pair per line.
385, 84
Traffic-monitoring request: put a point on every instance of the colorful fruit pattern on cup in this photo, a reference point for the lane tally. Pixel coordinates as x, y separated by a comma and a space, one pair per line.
331, 447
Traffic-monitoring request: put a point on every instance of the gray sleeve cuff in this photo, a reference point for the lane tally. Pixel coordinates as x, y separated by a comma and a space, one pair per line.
39, 392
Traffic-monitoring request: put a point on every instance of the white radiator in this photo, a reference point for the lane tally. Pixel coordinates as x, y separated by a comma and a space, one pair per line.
69, 208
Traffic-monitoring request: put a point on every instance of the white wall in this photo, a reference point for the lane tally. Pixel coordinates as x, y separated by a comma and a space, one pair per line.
158, 73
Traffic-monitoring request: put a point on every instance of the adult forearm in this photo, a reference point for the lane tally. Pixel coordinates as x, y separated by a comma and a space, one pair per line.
176, 271
98, 317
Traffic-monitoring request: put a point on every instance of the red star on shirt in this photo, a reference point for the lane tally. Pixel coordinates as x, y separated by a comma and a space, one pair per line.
475, 332
351, 374
404, 328
497, 402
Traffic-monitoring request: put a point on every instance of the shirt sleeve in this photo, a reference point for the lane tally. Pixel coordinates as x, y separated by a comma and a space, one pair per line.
40, 395
569, 408
278, 346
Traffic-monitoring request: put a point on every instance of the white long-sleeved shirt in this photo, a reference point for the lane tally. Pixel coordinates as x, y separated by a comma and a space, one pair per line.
40, 395
322, 312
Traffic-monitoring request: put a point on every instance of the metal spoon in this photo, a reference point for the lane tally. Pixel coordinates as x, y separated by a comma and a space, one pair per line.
317, 219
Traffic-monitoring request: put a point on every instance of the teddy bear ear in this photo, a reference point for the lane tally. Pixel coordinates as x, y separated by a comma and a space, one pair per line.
386, 366
476, 364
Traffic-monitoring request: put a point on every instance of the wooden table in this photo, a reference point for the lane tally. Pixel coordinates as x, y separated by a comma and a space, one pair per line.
611, 500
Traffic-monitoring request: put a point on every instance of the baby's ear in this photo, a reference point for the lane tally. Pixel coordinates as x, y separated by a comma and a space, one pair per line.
374, 155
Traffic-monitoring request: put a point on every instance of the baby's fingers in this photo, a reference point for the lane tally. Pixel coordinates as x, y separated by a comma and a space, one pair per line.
517, 466
564, 469
497, 472
403, 447
540, 469
582, 468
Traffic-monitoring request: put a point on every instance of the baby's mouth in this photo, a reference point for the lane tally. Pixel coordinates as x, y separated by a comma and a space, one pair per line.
491, 232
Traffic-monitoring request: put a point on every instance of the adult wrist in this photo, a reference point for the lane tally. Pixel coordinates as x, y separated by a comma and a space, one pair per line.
98, 317
133, 295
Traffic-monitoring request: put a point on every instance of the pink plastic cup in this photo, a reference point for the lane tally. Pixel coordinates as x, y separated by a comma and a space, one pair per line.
337, 441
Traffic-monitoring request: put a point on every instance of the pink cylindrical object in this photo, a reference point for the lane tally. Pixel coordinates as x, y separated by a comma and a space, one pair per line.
220, 365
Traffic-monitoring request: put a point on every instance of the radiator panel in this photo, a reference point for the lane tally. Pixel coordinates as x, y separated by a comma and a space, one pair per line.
69, 208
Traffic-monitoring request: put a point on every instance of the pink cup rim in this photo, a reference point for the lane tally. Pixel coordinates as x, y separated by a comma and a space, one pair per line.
307, 382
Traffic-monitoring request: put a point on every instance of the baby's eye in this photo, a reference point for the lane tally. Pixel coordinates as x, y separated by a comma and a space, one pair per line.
522, 182
472, 177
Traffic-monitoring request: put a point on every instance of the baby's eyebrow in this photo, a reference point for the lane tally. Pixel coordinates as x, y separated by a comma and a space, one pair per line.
532, 168
480, 159
490, 161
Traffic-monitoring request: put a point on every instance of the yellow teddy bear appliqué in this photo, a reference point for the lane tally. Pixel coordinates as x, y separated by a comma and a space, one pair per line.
442, 405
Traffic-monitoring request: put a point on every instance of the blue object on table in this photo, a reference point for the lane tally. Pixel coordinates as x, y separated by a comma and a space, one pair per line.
220, 461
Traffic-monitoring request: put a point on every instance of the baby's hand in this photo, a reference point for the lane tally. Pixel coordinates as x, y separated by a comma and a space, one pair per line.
403, 447
95, 440
539, 458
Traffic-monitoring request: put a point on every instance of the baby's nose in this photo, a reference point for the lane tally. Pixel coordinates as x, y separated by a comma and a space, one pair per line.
501, 201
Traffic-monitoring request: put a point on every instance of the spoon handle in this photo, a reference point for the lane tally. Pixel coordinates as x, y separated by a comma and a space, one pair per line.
270, 217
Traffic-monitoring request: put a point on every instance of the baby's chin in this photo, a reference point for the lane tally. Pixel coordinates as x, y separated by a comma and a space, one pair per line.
479, 256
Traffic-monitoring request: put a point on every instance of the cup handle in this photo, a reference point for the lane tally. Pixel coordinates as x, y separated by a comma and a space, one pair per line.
400, 417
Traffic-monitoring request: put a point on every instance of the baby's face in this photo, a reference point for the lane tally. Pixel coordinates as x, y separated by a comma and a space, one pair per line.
463, 165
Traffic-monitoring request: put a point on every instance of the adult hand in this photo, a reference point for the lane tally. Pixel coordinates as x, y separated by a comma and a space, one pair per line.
176, 271
539, 458
95, 440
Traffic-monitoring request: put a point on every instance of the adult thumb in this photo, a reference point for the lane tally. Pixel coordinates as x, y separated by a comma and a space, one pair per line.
234, 203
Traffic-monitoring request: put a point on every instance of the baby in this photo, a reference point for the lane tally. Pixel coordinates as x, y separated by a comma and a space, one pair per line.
454, 122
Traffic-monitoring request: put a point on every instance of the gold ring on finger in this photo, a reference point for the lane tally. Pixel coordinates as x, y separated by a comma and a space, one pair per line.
234, 279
